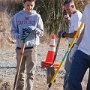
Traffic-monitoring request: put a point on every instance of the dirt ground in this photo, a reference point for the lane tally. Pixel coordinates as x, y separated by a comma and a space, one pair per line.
8, 62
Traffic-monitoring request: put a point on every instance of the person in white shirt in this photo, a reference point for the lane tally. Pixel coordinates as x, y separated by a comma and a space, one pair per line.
81, 61
74, 23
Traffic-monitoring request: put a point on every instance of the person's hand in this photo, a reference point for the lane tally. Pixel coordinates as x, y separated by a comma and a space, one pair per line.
25, 33
71, 54
61, 34
31, 28
75, 46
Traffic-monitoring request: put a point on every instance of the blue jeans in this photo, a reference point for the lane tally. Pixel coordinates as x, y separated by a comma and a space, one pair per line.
67, 67
79, 66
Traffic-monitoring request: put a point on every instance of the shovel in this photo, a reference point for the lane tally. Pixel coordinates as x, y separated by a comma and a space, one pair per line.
25, 34
65, 56
18, 71
51, 69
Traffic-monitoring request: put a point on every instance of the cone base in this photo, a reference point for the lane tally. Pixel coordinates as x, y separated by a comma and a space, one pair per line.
48, 64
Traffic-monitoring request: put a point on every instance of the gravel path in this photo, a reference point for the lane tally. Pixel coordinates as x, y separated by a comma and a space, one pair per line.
8, 64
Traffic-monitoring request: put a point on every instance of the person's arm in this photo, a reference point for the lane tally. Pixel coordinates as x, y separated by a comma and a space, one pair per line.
40, 27
70, 35
14, 28
75, 23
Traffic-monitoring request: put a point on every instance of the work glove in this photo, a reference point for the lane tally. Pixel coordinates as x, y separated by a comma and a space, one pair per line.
25, 33
34, 29
61, 34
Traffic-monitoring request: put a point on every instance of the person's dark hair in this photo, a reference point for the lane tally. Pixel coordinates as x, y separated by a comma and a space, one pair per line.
68, 2
28, 0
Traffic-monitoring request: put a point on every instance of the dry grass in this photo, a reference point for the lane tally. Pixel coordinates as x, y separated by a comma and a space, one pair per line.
5, 36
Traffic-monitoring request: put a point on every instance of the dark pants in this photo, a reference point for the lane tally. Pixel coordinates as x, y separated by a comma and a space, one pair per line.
79, 66
67, 67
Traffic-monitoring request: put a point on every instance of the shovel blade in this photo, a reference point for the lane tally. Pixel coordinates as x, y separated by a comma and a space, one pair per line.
50, 73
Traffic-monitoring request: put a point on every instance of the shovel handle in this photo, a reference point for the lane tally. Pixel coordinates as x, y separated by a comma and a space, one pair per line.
56, 51
66, 54
18, 69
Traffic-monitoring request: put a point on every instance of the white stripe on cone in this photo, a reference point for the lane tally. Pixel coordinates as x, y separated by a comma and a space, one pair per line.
52, 49
52, 45
52, 42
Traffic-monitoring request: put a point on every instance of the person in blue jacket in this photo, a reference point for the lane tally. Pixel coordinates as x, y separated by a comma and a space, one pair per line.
27, 24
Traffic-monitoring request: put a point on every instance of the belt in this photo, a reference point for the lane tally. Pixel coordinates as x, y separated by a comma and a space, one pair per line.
25, 48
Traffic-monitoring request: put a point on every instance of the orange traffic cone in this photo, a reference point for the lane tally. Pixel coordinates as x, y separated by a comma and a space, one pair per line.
51, 52
50, 55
